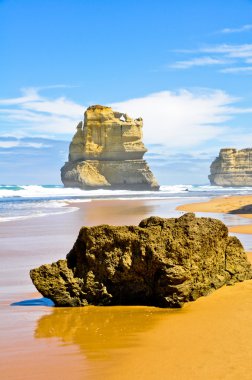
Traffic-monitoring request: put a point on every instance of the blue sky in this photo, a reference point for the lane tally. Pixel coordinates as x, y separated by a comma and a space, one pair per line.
184, 66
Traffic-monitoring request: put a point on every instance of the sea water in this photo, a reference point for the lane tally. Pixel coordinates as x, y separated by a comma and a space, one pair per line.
27, 201
19, 202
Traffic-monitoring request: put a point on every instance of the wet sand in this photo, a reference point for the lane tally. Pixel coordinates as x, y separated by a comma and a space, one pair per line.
234, 205
207, 339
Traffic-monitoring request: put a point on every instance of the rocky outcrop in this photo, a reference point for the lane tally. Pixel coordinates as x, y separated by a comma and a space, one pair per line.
232, 168
107, 151
161, 262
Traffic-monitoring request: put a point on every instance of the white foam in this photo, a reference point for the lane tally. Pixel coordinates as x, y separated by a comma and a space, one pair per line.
25, 201
37, 191
37, 215
31, 191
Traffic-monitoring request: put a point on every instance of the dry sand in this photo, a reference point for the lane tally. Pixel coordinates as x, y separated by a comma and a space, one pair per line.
207, 339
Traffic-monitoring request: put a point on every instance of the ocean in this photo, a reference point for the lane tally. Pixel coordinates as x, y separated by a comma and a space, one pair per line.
20, 202
29, 201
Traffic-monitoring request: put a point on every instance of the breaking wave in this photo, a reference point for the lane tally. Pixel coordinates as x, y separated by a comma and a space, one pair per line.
25, 201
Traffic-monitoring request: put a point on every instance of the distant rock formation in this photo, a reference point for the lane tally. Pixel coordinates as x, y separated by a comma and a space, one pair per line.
232, 168
161, 262
107, 152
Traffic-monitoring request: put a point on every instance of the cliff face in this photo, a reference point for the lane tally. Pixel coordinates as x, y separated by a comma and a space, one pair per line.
107, 151
161, 262
232, 168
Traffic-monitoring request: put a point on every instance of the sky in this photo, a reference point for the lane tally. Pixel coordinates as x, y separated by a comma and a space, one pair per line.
185, 67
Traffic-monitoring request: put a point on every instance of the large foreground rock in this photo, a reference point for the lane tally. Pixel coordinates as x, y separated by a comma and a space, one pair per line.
232, 168
161, 262
107, 152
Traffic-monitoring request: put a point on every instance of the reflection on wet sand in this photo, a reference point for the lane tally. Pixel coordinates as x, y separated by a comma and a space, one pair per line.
118, 212
100, 331
210, 338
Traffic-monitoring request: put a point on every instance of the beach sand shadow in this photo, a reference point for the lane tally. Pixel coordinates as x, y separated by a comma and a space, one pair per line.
34, 302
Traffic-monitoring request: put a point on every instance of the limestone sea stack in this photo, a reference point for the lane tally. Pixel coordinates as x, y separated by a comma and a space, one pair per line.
161, 262
232, 168
107, 152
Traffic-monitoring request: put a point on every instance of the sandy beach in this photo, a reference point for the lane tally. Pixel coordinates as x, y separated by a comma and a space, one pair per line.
207, 339
239, 205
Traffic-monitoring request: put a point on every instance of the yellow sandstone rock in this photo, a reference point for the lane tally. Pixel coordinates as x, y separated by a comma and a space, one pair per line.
107, 151
232, 168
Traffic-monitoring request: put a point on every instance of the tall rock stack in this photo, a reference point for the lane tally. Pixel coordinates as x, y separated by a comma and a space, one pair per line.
107, 152
232, 168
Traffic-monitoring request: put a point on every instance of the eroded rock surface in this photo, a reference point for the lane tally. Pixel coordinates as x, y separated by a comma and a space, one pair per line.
232, 168
161, 262
107, 151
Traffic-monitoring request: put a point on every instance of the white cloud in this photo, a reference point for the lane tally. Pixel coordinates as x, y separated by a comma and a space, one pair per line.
36, 113
241, 140
229, 50
200, 61
177, 120
182, 119
29, 94
35, 145
231, 55
238, 69
241, 29
8, 144
22, 144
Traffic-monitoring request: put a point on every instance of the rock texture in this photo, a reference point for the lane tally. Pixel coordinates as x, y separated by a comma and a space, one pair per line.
161, 262
107, 151
232, 168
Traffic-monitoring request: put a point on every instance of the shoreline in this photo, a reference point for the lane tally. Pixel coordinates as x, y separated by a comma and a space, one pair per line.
240, 205
84, 342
